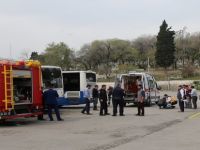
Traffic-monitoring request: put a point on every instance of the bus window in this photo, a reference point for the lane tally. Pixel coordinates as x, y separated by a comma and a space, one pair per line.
53, 76
90, 77
71, 81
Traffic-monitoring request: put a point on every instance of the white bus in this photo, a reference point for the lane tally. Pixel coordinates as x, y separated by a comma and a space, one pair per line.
74, 84
53, 75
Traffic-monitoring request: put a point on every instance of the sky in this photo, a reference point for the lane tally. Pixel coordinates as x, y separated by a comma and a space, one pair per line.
30, 25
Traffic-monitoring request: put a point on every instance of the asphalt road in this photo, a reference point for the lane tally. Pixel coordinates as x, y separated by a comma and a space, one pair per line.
159, 129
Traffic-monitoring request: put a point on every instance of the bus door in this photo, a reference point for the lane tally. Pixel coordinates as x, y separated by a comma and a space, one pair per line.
71, 83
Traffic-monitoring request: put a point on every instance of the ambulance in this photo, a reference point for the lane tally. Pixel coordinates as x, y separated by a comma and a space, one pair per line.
130, 81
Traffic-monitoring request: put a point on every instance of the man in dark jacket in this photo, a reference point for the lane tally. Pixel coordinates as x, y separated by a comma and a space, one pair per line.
50, 97
118, 99
103, 101
95, 96
110, 90
181, 97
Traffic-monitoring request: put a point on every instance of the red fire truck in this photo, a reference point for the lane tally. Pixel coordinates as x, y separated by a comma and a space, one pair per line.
20, 89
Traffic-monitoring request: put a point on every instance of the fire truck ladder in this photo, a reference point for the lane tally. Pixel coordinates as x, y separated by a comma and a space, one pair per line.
8, 85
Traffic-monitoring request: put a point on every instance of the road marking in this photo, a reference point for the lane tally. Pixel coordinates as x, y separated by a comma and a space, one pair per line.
193, 116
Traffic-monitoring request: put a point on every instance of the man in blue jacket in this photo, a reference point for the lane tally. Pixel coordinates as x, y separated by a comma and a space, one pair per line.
87, 96
50, 97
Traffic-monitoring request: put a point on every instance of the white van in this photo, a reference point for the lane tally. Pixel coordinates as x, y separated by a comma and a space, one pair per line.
129, 82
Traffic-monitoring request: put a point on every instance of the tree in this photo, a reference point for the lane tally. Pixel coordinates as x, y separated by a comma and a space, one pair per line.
165, 47
145, 46
182, 41
122, 51
102, 50
195, 48
84, 57
34, 56
58, 54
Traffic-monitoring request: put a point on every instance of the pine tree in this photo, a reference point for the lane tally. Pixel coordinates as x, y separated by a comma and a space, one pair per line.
34, 56
165, 47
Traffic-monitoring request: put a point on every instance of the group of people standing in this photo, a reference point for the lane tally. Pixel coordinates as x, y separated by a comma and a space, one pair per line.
187, 97
105, 96
96, 95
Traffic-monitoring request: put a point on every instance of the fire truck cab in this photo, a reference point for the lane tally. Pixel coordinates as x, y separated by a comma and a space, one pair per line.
20, 89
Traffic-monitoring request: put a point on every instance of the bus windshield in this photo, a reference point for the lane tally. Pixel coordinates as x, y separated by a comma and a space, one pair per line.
90, 77
53, 76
